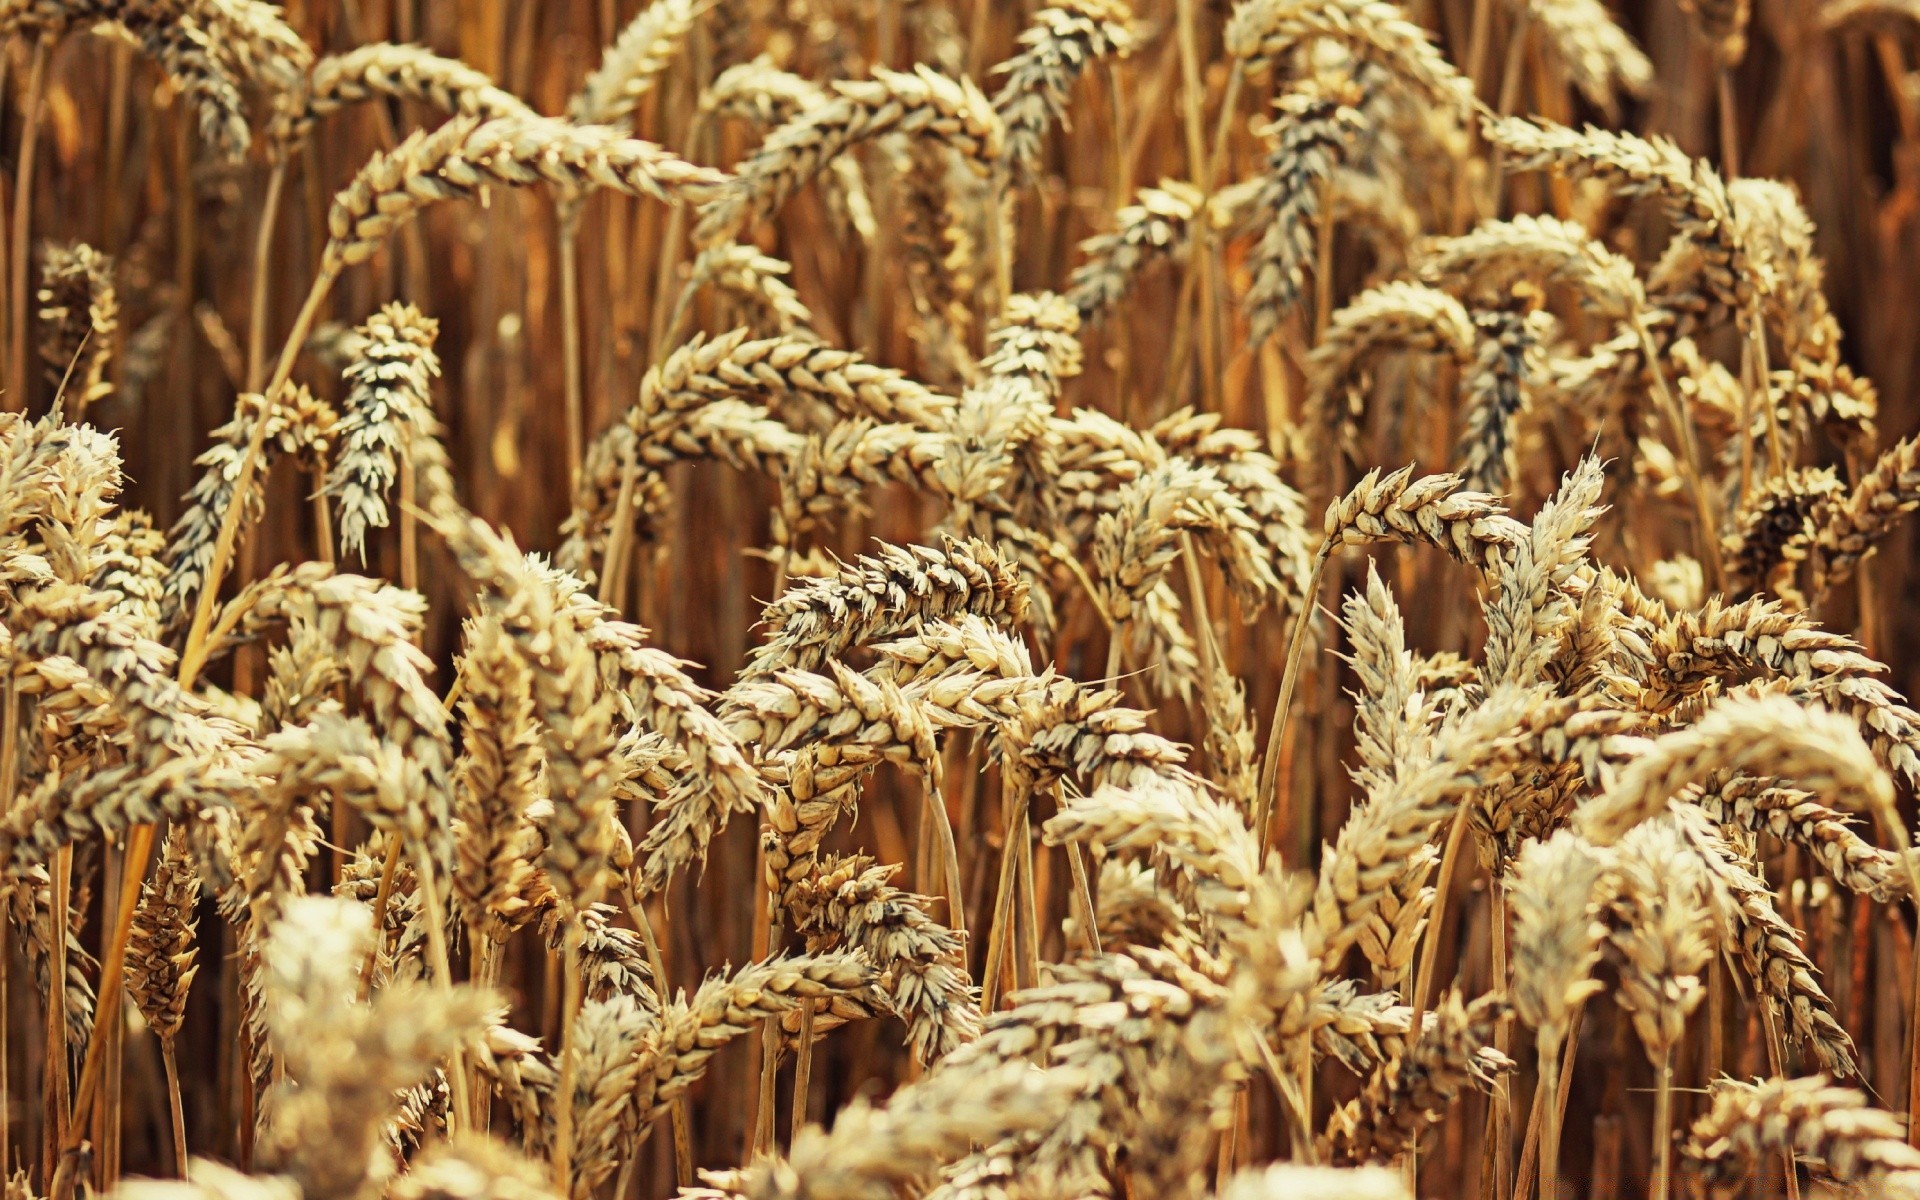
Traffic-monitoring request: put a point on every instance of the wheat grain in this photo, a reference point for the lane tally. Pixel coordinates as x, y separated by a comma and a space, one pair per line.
172, 753
383, 69
1293, 1182
1661, 933
1507, 362
1601, 59
1261, 32
209, 1180
1806, 1118
1157, 224
1767, 736
1436, 510
1135, 545
161, 957
256, 40
130, 572
1556, 898
30, 910
388, 404
575, 710
1761, 806
756, 91
467, 154
183, 39
752, 277
1759, 639
344, 1061
1255, 479
471, 1168
1769, 948
632, 63
872, 1150
1315, 132
923, 103
676, 1052
192, 540
80, 306
1367, 858
1775, 529
1407, 1095
1062, 41
1394, 316
1584, 738
1880, 497
494, 781
1694, 193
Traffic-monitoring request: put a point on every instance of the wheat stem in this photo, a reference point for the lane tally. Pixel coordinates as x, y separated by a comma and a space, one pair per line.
1479, 41
10, 747
409, 522
766, 942
382, 900
1542, 1146
620, 531
1729, 123
1510, 77
483, 966
322, 517
682, 1137
17, 376
193, 657
113, 967
1501, 1116
1083, 897
669, 251
1223, 125
1896, 833
1296, 648
763, 1112
575, 415
1194, 102
1706, 528
56, 1056
175, 1108
1026, 925
1323, 263
460, 1112
563, 1102
1663, 1127
802, 1071
1001, 936
6, 1072
1763, 376
1442, 886
1547, 1098
949, 851
1777, 1063
120, 78
9, 783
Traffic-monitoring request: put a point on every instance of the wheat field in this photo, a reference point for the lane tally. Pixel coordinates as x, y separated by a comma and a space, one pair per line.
847, 599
